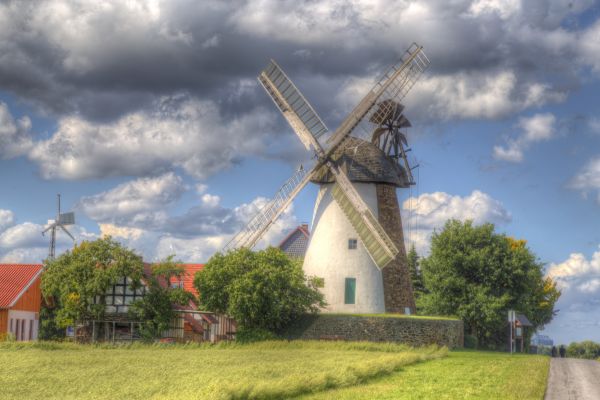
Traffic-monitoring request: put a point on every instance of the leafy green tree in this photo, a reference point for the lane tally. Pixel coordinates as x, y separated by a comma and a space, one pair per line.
478, 275
76, 277
260, 290
415, 271
156, 309
586, 349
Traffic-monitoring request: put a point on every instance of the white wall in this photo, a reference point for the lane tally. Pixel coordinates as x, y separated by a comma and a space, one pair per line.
31, 322
328, 255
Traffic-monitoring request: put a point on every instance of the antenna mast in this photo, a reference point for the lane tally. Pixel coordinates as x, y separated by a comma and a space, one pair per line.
61, 221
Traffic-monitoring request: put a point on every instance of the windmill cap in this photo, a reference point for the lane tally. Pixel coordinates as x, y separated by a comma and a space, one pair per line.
364, 162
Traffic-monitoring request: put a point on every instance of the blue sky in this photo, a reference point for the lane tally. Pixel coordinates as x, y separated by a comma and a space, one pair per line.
148, 119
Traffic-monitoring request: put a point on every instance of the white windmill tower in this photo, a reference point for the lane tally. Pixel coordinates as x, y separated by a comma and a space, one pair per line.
356, 243
61, 221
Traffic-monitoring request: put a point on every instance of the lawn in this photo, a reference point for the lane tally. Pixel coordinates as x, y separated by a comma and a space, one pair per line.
263, 370
461, 375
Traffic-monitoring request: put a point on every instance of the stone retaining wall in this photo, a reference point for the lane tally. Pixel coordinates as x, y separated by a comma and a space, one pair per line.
411, 331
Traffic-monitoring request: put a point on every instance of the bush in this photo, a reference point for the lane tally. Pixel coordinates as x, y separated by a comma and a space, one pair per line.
263, 290
470, 342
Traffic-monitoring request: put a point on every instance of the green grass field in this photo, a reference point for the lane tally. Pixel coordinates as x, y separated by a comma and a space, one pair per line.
461, 375
266, 370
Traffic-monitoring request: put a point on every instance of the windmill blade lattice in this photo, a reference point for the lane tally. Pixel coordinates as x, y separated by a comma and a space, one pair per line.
269, 213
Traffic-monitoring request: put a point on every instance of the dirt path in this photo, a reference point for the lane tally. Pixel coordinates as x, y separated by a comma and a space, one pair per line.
575, 379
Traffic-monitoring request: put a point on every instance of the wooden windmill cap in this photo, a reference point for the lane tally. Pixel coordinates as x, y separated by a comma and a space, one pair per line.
363, 162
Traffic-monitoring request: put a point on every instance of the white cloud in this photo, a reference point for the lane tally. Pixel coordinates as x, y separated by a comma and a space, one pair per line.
588, 178
503, 8
140, 200
537, 128
589, 46
430, 211
15, 135
489, 95
211, 235
7, 219
179, 131
578, 278
576, 267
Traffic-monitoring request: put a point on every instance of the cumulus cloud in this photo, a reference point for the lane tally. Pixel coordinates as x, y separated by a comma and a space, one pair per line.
15, 135
430, 211
7, 219
111, 73
139, 201
588, 178
199, 233
178, 132
103, 61
537, 128
578, 277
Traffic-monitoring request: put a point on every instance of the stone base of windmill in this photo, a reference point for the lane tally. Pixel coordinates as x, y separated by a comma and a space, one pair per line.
413, 331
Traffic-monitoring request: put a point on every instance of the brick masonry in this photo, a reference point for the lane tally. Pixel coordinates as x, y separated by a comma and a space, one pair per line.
397, 284
410, 331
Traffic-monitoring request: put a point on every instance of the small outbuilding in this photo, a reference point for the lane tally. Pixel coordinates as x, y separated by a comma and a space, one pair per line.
296, 242
20, 300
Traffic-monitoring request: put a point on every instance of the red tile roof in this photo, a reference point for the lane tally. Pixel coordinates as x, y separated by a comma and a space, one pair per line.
188, 277
14, 281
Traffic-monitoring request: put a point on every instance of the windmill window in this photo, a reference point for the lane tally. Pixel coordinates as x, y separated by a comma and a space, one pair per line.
350, 291
352, 244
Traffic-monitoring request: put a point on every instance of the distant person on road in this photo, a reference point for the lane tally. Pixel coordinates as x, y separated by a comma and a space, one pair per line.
553, 353
562, 351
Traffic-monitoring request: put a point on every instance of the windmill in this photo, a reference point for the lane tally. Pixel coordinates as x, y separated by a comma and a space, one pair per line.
61, 221
358, 175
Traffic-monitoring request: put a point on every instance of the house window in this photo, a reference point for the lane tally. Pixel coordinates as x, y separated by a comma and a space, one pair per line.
119, 296
350, 291
352, 244
177, 284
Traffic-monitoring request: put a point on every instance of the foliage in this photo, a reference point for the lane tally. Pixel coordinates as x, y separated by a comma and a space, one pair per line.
586, 349
155, 309
74, 278
264, 289
49, 330
478, 275
275, 370
461, 375
416, 275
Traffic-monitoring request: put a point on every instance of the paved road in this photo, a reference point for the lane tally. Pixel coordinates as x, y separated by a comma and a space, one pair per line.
573, 379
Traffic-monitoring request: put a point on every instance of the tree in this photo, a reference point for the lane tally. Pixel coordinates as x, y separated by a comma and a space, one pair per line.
478, 275
260, 290
75, 278
415, 272
155, 309
586, 349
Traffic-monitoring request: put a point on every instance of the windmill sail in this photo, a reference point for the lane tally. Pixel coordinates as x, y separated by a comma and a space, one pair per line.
379, 245
394, 85
293, 105
259, 224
